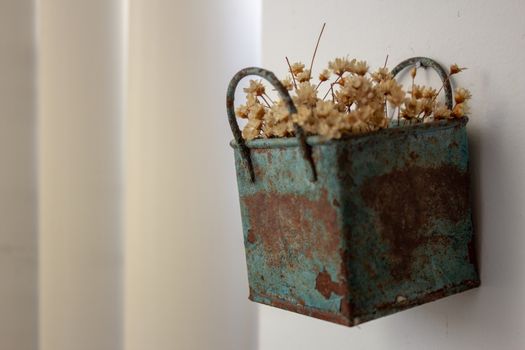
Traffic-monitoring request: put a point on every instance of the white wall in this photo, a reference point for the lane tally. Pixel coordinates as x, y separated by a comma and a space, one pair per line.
18, 210
185, 280
489, 38
81, 101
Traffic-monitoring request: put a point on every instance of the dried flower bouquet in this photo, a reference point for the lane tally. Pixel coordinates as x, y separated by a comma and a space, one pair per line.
355, 101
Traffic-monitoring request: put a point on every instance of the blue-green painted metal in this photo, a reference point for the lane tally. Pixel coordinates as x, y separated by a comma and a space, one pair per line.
386, 225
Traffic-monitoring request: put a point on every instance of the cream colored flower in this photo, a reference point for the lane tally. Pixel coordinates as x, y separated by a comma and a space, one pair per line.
429, 92
277, 121
341, 65
455, 69
461, 95
358, 124
256, 111
355, 89
360, 68
305, 118
297, 68
460, 110
382, 74
252, 129
256, 88
287, 83
393, 91
413, 72
378, 119
304, 76
441, 111
325, 75
417, 91
243, 110
411, 109
324, 109
427, 106
306, 95
278, 112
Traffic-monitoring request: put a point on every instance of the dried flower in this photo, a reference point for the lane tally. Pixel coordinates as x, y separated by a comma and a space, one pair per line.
461, 95
417, 91
287, 83
324, 108
393, 91
382, 74
278, 122
429, 92
412, 108
252, 129
427, 106
243, 110
297, 68
341, 65
325, 75
304, 76
376, 118
441, 111
454, 69
360, 68
256, 111
306, 119
357, 105
256, 88
306, 95
460, 110
413, 72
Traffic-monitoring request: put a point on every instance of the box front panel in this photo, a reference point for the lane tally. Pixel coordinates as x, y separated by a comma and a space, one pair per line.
295, 249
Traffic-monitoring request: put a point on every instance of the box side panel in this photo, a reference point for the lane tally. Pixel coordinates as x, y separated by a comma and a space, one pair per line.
407, 212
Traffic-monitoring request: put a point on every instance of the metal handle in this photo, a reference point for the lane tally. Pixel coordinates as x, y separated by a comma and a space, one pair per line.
299, 132
428, 62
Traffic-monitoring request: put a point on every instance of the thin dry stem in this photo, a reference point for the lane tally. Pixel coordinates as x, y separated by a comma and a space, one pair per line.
331, 86
272, 101
442, 87
267, 104
291, 73
315, 51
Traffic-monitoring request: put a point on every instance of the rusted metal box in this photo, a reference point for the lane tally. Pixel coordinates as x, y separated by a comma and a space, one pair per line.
385, 226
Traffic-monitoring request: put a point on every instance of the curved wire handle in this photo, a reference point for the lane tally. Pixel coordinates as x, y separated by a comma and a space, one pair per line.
299, 132
428, 62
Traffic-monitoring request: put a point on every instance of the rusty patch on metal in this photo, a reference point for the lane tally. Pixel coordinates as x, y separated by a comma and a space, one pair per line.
326, 286
289, 224
251, 237
429, 297
406, 200
308, 311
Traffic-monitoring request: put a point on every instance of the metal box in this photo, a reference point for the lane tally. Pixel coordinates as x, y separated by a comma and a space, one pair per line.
385, 226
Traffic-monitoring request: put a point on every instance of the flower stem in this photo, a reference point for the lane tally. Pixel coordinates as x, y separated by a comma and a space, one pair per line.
272, 101
293, 78
331, 86
315, 51
267, 104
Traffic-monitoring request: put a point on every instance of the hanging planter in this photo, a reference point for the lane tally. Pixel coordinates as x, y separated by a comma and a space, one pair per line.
351, 229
